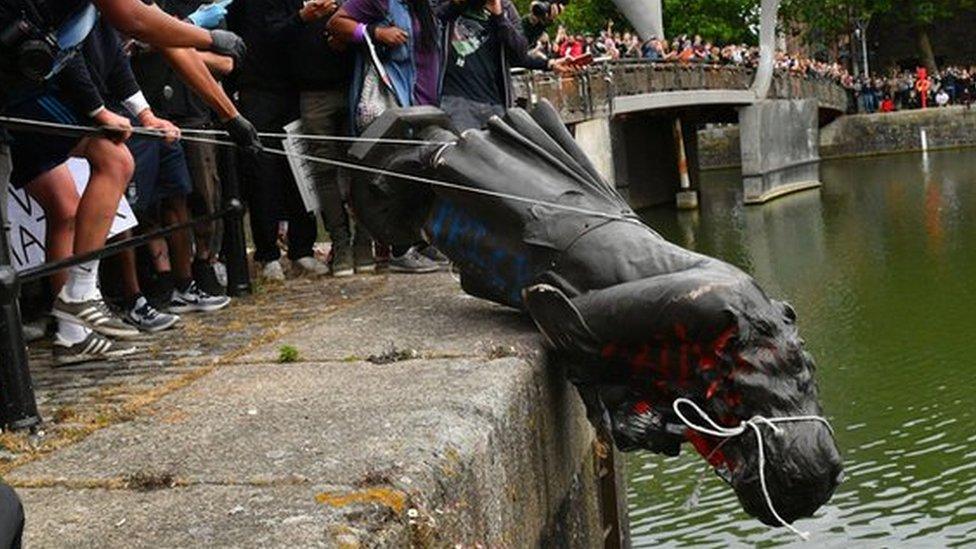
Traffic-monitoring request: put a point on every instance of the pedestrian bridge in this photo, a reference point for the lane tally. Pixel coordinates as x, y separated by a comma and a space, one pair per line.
623, 87
639, 123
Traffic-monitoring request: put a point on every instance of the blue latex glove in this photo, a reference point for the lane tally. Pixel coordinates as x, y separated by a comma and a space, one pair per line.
210, 16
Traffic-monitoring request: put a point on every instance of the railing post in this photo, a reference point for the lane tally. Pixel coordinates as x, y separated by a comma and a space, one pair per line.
18, 406
235, 245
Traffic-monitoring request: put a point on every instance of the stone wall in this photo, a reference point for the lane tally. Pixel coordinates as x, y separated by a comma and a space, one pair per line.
859, 135
719, 147
874, 134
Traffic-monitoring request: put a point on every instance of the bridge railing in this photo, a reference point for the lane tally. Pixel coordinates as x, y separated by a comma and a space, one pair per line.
591, 93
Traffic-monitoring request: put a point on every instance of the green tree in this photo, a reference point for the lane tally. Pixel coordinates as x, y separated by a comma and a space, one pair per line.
588, 16
724, 21
827, 20
921, 15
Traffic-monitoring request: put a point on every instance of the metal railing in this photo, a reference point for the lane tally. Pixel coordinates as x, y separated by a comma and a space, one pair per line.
18, 405
592, 93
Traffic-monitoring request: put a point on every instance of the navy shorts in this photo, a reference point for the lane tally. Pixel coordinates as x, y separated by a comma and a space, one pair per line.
161, 172
35, 154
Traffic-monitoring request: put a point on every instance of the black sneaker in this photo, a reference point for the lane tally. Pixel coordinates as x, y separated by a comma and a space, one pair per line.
435, 255
363, 259
93, 314
195, 300
93, 347
206, 277
144, 316
413, 262
342, 264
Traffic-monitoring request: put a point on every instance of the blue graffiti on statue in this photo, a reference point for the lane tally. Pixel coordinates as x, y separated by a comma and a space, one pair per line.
479, 251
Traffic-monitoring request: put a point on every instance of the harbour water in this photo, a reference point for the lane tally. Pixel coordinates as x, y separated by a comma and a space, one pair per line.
880, 264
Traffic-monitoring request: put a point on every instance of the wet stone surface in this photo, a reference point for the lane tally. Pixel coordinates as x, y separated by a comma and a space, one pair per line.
77, 400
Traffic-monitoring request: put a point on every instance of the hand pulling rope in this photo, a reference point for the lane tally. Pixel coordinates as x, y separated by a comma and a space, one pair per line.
91, 131
727, 433
321, 137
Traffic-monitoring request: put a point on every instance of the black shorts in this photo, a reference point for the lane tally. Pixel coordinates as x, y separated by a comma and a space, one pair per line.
35, 154
161, 172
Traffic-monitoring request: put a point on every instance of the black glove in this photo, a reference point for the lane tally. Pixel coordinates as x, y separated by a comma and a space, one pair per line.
228, 43
242, 133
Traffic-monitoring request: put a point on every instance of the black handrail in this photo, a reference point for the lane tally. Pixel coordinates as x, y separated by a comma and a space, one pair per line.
47, 269
18, 404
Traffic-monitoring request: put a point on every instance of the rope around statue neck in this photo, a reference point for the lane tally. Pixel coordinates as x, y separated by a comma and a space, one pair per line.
728, 433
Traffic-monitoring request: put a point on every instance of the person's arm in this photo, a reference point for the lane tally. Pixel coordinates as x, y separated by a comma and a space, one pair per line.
354, 20
151, 25
505, 19
78, 88
221, 65
82, 94
284, 23
193, 70
533, 26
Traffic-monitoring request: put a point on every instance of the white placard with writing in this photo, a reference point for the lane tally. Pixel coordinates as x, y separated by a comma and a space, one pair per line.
26, 225
300, 167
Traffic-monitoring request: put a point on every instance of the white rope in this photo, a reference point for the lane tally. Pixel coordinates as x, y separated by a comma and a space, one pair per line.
323, 137
428, 181
343, 164
719, 431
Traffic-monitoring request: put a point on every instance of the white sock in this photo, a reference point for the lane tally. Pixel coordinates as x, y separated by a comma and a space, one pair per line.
82, 282
71, 333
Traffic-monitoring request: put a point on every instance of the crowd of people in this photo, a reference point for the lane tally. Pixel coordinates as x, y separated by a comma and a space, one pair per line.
159, 78
897, 90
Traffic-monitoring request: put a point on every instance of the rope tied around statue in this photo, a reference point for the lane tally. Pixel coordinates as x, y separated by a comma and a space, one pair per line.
209, 137
639, 322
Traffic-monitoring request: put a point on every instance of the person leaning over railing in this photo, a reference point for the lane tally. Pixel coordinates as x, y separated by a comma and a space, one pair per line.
172, 99
80, 226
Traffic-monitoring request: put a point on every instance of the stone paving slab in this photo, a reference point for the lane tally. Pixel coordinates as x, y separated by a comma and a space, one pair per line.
471, 440
77, 400
199, 516
268, 422
428, 314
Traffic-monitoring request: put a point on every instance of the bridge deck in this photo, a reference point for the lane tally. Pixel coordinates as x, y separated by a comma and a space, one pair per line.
633, 86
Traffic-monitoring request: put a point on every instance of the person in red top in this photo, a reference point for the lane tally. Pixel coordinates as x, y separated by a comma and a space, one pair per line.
888, 105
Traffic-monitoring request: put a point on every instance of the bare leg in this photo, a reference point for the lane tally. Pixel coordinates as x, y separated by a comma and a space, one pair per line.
111, 170
57, 195
175, 212
160, 255
127, 269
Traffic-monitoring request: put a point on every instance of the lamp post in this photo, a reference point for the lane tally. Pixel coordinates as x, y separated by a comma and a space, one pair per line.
862, 33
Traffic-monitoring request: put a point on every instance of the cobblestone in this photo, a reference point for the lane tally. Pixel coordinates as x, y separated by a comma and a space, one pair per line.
76, 401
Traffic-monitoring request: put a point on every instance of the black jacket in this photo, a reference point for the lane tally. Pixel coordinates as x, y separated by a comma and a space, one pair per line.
312, 64
266, 66
169, 96
101, 77
512, 31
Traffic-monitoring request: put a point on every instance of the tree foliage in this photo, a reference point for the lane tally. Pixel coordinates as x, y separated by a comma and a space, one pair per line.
724, 21
826, 20
719, 20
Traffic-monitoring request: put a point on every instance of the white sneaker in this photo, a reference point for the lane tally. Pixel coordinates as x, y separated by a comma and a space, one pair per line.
272, 271
310, 266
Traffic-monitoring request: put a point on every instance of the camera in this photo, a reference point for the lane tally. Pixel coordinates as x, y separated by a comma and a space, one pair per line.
34, 50
542, 9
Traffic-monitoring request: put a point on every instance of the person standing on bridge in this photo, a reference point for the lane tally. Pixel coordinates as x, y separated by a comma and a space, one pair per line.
482, 40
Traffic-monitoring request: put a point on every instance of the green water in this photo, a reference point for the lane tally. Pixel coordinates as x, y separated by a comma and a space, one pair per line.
881, 266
